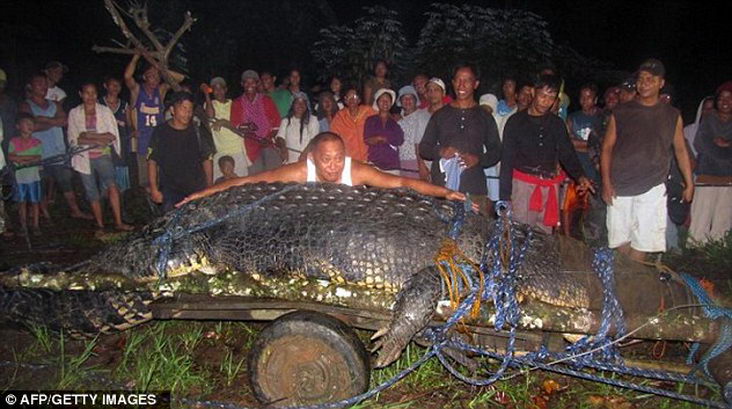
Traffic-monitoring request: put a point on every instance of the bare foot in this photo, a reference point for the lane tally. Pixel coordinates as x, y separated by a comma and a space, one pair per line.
124, 227
82, 215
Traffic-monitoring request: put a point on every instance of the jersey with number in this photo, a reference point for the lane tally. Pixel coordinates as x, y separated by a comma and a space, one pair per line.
149, 115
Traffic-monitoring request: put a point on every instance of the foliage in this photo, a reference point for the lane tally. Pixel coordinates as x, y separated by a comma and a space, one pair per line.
500, 41
350, 51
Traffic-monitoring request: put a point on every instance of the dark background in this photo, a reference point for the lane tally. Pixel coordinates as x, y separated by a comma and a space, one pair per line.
691, 37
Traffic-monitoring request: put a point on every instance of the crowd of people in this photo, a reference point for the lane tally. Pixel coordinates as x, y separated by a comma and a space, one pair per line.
623, 154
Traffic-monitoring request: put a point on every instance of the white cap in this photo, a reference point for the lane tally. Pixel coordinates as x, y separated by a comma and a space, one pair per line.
490, 100
381, 92
439, 82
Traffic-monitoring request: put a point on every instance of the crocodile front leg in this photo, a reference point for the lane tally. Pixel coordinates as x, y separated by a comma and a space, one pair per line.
413, 310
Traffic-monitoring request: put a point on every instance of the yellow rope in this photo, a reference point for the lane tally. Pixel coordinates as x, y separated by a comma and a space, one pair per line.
450, 254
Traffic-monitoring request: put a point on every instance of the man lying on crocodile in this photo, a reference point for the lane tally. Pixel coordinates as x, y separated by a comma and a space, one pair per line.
327, 162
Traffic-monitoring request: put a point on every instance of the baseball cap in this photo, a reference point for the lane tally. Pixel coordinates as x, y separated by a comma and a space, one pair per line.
654, 67
628, 84
218, 80
249, 74
439, 82
57, 64
490, 100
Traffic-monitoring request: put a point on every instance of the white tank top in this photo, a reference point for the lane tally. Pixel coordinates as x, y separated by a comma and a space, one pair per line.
345, 176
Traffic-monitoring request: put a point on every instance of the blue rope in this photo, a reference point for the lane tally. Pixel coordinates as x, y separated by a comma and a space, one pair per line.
714, 312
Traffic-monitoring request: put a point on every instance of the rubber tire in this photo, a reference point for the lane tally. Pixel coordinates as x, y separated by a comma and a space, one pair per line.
283, 371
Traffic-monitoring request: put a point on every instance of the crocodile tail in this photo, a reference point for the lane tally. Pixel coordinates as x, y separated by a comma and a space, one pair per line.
78, 313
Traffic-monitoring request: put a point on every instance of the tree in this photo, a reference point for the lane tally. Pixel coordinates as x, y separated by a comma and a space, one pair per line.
350, 51
155, 44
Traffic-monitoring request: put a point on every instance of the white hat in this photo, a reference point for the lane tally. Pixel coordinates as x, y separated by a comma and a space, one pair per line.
381, 92
407, 90
439, 82
490, 100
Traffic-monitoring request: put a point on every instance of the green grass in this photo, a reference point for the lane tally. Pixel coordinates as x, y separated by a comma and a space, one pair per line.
72, 369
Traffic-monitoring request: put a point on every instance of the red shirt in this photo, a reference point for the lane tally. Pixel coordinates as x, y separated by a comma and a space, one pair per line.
264, 115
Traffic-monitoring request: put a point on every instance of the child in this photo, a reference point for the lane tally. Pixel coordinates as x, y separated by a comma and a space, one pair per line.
22, 150
226, 165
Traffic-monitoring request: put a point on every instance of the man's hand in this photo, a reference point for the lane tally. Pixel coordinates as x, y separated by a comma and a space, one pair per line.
469, 160
688, 194
156, 196
584, 184
447, 152
608, 193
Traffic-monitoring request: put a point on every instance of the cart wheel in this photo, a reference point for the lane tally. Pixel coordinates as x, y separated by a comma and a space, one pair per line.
306, 357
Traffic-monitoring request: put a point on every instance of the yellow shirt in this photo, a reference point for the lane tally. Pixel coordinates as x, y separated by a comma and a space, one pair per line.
225, 140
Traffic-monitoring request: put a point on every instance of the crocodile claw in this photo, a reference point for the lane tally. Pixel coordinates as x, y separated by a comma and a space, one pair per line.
389, 348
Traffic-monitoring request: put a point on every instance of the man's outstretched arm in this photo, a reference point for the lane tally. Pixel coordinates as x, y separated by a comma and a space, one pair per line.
368, 175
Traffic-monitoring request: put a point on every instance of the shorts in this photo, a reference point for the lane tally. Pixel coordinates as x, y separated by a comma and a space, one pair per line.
102, 169
28, 192
61, 174
639, 220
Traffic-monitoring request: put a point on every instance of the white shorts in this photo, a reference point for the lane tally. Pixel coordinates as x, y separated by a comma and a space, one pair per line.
639, 220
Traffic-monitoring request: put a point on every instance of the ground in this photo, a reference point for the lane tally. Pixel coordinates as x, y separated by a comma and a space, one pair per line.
208, 360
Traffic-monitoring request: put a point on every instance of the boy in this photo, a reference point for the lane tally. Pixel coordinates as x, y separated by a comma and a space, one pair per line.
22, 150
226, 166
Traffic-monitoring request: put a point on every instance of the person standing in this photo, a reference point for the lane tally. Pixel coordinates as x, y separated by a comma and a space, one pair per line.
255, 116
349, 124
298, 128
23, 150
461, 139
122, 114
378, 81
383, 135
55, 73
49, 118
225, 137
326, 109
413, 123
92, 124
179, 164
147, 101
711, 210
535, 142
636, 156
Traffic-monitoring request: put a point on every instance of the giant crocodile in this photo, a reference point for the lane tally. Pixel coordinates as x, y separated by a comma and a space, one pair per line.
352, 246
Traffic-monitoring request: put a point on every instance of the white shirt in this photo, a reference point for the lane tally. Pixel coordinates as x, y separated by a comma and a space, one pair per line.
55, 94
106, 122
296, 143
345, 176
413, 126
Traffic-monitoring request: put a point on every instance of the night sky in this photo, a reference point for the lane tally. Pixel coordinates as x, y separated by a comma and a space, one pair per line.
692, 38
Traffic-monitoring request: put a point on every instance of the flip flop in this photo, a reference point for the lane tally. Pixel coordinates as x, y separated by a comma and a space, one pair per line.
124, 227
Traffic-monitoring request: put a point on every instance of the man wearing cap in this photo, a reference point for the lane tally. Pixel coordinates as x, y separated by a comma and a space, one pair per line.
55, 72
413, 123
635, 161
627, 90
462, 139
535, 143
226, 138
255, 115
147, 101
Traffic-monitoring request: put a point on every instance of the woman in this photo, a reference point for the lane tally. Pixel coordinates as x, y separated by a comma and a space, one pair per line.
383, 135
335, 87
327, 109
298, 127
91, 124
122, 113
377, 82
225, 137
711, 212
349, 123
413, 123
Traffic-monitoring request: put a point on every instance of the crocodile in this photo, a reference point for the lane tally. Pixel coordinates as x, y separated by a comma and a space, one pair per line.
357, 247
